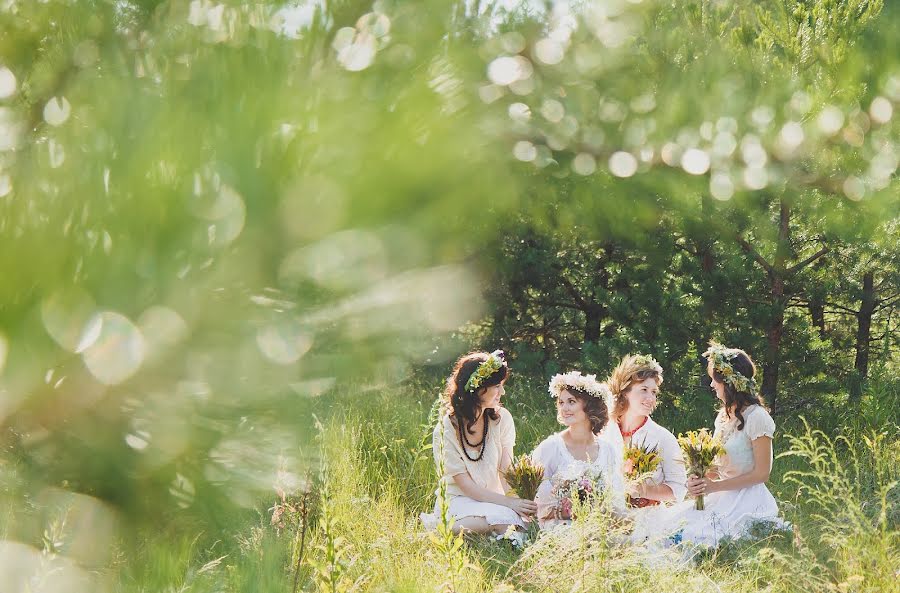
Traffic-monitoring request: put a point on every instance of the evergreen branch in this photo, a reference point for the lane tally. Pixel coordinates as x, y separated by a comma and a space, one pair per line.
748, 248
799, 266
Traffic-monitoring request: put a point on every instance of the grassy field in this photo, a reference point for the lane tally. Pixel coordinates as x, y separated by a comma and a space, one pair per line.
356, 528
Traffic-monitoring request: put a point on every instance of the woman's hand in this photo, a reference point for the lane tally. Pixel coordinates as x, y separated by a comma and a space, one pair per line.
635, 490
563, 509
700, 486
524, 507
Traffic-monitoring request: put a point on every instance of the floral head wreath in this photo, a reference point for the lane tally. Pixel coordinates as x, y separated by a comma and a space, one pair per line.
645, 360
495, 361
721, 358
575, 380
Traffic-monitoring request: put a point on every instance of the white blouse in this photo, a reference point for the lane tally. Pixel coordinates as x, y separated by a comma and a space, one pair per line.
555, 457
738, 457
671, 470
501, 440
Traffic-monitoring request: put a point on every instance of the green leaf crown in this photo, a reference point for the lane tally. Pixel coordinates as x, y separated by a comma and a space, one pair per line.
495, 361
721, 358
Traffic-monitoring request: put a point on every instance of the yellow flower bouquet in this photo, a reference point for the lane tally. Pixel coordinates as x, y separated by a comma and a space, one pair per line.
700, 451
524, 476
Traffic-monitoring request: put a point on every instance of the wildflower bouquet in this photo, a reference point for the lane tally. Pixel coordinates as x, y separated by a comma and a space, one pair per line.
700, 450
579, 482
524, 476
640, 462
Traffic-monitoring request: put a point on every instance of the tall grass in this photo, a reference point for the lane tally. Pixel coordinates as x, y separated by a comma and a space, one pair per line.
839, 488
844, 510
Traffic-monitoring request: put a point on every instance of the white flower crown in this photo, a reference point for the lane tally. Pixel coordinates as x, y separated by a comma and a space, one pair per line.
575, 380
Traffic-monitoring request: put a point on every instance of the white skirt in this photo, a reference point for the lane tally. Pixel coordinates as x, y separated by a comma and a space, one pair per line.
728, 514
463, 506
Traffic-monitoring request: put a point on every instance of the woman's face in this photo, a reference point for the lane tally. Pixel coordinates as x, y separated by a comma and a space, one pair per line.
569, 409
490, 397
716, 386
642, 396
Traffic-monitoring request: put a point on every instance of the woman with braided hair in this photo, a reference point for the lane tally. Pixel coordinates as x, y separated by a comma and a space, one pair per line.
473, 446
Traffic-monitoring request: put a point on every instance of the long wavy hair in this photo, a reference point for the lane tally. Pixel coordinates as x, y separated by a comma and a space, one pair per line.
594, 407
464, 405
626, 374
737, 401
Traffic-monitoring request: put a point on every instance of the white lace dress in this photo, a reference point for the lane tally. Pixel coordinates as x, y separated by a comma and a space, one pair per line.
555, 457
485, 472
728, 513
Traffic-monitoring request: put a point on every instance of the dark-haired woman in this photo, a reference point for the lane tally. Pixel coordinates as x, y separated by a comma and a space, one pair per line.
473, 444
581, 408
735, 493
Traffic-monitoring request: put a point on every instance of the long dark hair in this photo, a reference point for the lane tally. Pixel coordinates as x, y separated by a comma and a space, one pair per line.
738, 401
594, 407
463, 405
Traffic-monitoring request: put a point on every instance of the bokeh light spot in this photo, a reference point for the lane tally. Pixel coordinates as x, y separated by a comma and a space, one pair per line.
118, 351
5, 185
57, 111
623, 164
283, 343
584, 163
721, 186
553, 111
854, 188
549, 51
695, 161
525, 151
7, 82
504, 70
881, 110
69, 319
830, 120
519, 112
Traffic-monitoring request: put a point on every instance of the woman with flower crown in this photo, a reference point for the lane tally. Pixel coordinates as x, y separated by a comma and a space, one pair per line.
473, 446
735, 493
634, 385
581, 408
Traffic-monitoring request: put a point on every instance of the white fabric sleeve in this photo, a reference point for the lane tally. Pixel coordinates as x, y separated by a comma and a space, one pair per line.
613, 474
453, 454
507, 432
759, 424
672, 464
546, 455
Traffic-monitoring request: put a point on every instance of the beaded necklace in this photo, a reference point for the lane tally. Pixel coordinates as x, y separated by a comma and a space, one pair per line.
465, 441
628, 433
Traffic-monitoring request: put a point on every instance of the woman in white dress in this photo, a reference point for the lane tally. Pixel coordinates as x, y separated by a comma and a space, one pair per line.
634, 384
476, 436
581, 408
735, 493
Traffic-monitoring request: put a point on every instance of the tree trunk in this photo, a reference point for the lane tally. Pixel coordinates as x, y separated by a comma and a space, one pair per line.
592, 318
817, 314
709, 299
863, 338
775, 332
777, 273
